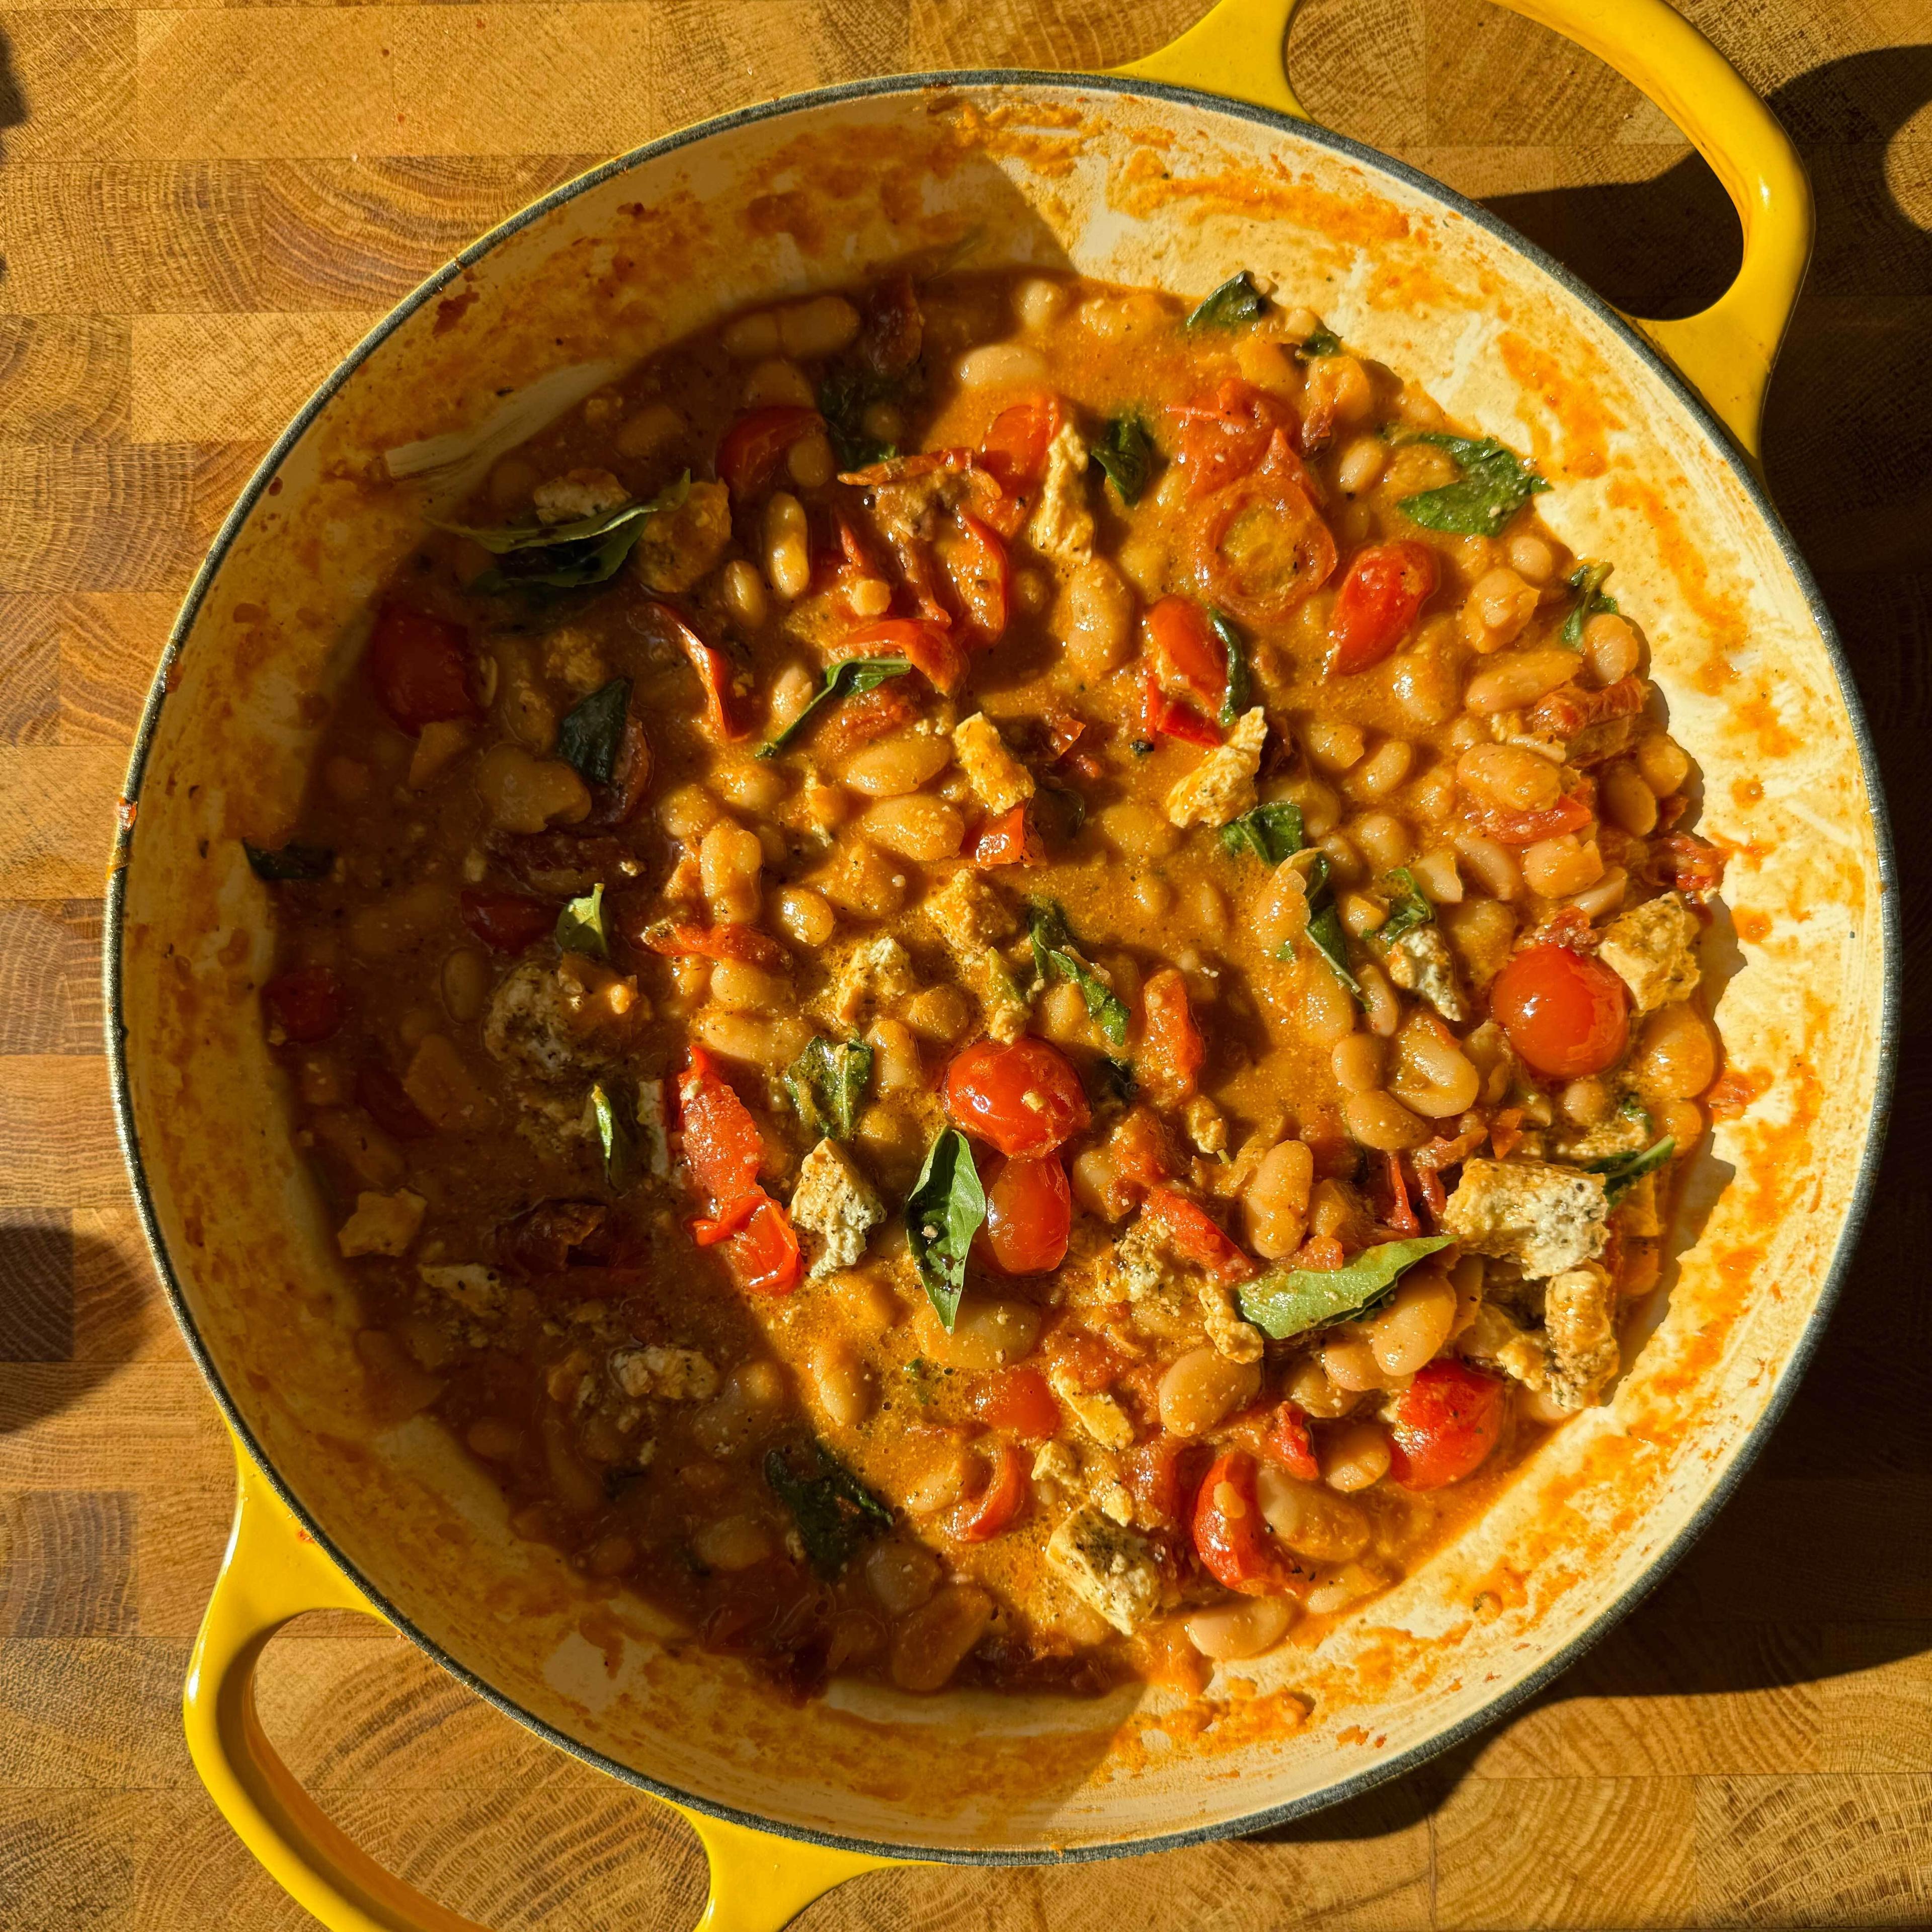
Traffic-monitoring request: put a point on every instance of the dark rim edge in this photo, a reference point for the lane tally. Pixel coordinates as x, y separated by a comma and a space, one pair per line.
1790, 1372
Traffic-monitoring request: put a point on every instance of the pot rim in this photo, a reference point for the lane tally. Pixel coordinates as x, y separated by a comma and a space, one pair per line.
1745, 473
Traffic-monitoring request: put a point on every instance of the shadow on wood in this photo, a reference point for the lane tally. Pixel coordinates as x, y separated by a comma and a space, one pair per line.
73, 1309
12, 97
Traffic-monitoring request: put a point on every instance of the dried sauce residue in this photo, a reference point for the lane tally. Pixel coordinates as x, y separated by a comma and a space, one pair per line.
1719, 611
1143, 186
1577, 405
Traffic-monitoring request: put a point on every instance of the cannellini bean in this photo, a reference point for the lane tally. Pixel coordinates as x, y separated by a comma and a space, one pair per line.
1498, 606
731, 1542
1531, 558
1327, 1012
466, 983
940, 1013
1202, 1387
1099, 1187
896, 1066
1381, 1121
1244, 1628
1356, 1062
1334, 743
1433, 1074
1510, 682
1664, 764
1095, 619
1412, 1329
751, 786
1309, 1389
1000, 365
811, 463
1383, 839
1274, 1204
1492, 867
756, 1041
729, 859
778, 381
1611, 647
1136, 831
891, 767
1629, 804
1311, 1521
932, 1642
654, 425
522, 794
1425, 681
1605, 896
805, 915
1586, 1103
1676, 1055
1321, 806
865, 881
1356, 1456
1384, 770
1350, 1364
915, 827
687, 812
842, 1382
747, 338
1038, 301
822, 326
493, 1438
902, 1575
1361, 465
787, 551
988, 1332
1558, 867
1511, 776
742, 988
1436, 871
1380, 1006
1280, 913
1341, 384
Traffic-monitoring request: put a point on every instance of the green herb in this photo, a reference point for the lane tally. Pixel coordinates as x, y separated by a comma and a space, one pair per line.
1633, 1108
1322, 341
592, 733
1117, 1078
580, 926
1587, 580
1234, 699
1272, 832
1622, 1171
1126, 454
1408, 908
1060, 809
616, 1134
1234, 304
1290, 1301
848, 678
845, 394
918, 1373
826, 1082
1324, 931
836, 1514
567, 556
1054, 951
289, 862
943, 1212
1495, 484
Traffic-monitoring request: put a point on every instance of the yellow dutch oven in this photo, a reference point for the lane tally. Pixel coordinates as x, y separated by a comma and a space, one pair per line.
1174, 171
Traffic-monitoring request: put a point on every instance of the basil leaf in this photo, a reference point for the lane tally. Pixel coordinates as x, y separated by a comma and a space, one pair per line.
592, 733
1234, 699
291, 861
943, 1212
1234, 304
1290, 1301
836, 1514
1622, 1171
845, 394
1322, 341
848, 678
1060, 809
580, 926
826, 1082
616, 1134
1325, 935
1054, 951
1633, 1108
1117, 1079
1127, 455
567, 556
1046, 931
1587, 580
1495, 484
1410, 909
1272, 832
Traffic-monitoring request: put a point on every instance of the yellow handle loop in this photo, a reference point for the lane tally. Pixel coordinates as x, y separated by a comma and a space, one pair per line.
1725, 352
273, 1571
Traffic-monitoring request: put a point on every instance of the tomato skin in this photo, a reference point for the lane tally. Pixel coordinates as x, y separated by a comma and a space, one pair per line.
1444, 1423
1260, 547
1186, 650
1029, 1216
306, 1003
1386, 585
1163, 1475
1195, 1233
763, 1254
1019, 1401
1025, 1098
751, 449
506, 922
380, 1095
1009, 840
722, 1146
931, 647
1224, 437
1567, 1014
420, 667
1231, 1535
861, 719
1291, 1443
1570, 813
982, 580
1172, 1051
987, 1513
1165, 717
745, 944
724, 692
1141, 1149
1014, 451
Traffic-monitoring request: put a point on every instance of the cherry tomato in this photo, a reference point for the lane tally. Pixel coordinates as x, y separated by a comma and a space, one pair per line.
1225, 436
1014, 452
976, 563
1570, 813
1165, 717
725, 942
1566, 1013
763, 1254
1386, 585
1198, 1236
1019, 1401
1141, 1149
983, 1518
1172, 1051
861, 719
1025, 1098
1088, 1361
1231, 1535
506, 922
306, 1003
1161, 1474
1009, 840
752, 447
381, 1096
931, 646
1260, 547
1187, 651
726, 688
708, 1230
1029, 1213
420, 667
1444, 1424
722, 1146
1291, 1443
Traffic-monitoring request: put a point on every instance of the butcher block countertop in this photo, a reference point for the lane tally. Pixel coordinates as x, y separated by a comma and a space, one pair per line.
201, 208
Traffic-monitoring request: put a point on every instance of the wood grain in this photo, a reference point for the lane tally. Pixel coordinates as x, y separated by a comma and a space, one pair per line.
201, 206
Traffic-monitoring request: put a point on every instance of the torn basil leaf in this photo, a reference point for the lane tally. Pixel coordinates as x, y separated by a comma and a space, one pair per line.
1117, 1079
1587, 580
1126, 454
827, 1083
616, 1134
1322, 341
592, 733
845, 393
1622, 1171
291, 861
1234, 699
1236, 303
1059, 810
1409, 906
835, 1514
566, 557
1271, 831
1054, 951
846, 678
1290, 1301
1495, 483
1324, 931
580, 926
943, 1212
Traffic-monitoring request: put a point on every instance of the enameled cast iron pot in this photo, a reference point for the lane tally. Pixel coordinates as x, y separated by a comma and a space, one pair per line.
1175, 172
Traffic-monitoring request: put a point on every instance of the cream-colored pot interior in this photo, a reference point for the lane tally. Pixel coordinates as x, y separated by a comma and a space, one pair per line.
1136, 186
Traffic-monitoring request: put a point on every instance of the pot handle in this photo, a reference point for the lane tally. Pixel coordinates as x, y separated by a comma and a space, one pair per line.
273, 1571
1726, 351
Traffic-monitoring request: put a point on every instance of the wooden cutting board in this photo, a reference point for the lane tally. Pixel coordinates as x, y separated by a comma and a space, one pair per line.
200, 209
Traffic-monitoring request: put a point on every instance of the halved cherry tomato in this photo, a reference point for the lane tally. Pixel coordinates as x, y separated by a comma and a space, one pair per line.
752, 448
1187, 651
722, 1146
1019, 1401
1570, 813
1687, 863
307, 1003
930, 646
763, 1254
861, 719
1225, 436
726, 686
1141, 1149
1161, 1474
1386, 585
745, 944
1320, 1254
1172, 1051
1009, 840
1260, 547
1165, 717
708, 1230
381, 1096
990, 1512
1014, 451
1231, 1535
976, 563
1029, 1213
420, 667
1444, 1424
1291, 1442
1198, 1236
506, 922
1025, 1098
1567, 1014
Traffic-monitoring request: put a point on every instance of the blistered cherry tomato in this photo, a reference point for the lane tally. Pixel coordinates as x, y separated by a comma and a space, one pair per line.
1291, 1443
1019, 1401
1444, 1424
307, 1003
1225, 436
507, 922
1198, 1236
1386, 585
1260, 547
1029, 1213
754, 445
1025, 1098
931, 647
1187, 651
1172, 1051
1566, 1013
976, 564
722, 1146
1231, 1535
1009, 840
985, 1515
1161, 1474
420, 667
1014, 452
763, 1254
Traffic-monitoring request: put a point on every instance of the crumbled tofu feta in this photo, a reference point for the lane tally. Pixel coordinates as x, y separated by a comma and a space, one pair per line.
477, 1290
578, 493
442, 1088
1622, 1133
532, 1025
1062, 524
1207, 1126
998, 778
873, 972
572, 655
678, 547
1100, 1415
1578, 1317
1108, 1566
1419, 961
1494, 1339
1239, 1341
1221, 787
835, 1201
1116, 1502
671, 1375
1653, 949
383, 1224
1544, 1218
1138, 1269
1056, 1465
968, 914
651, 1134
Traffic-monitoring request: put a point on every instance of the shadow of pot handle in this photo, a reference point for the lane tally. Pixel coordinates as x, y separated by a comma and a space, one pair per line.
1238, 50
274, 1570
